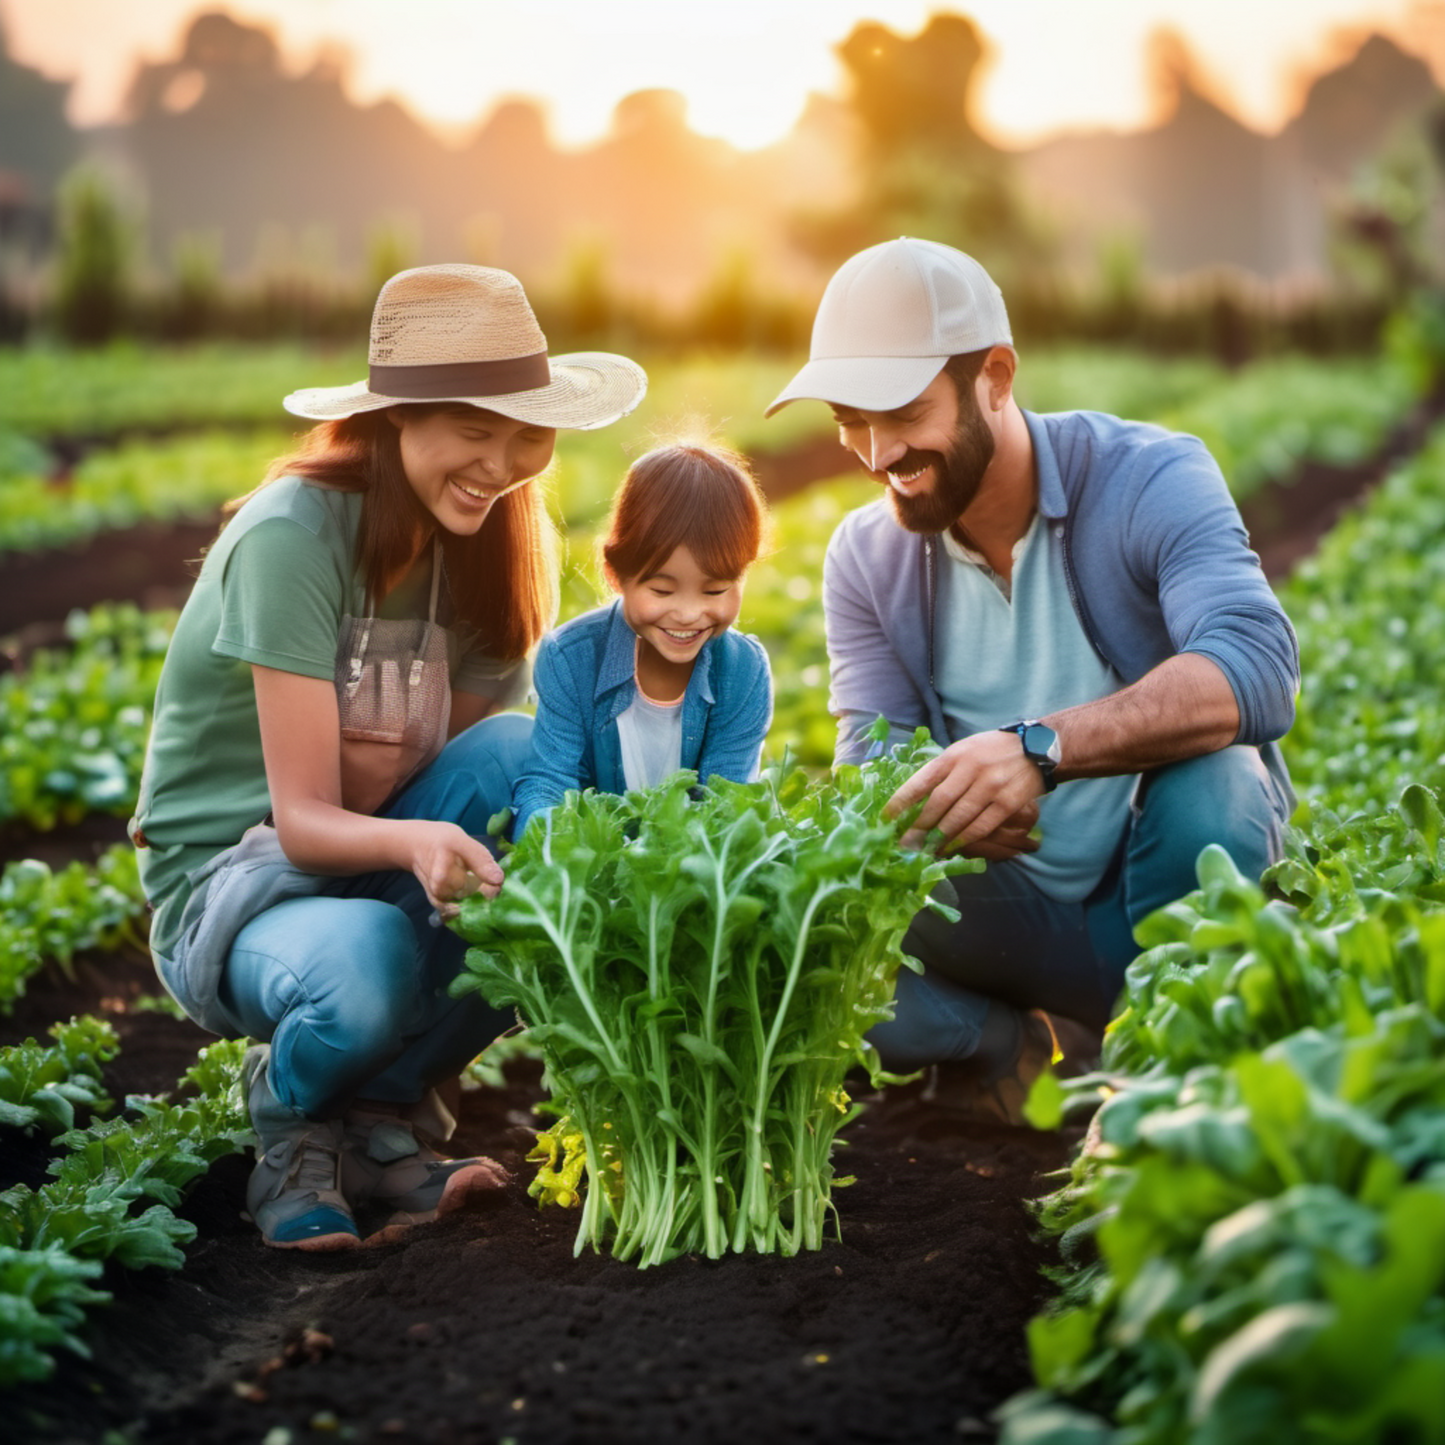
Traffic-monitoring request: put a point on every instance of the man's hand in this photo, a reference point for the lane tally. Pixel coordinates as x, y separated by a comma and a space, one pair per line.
981, 793
1012, 837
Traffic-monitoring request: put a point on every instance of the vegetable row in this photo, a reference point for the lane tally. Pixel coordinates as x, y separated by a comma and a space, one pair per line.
1253, 1234
1261, 423
116, 1185
73, 721
51, 916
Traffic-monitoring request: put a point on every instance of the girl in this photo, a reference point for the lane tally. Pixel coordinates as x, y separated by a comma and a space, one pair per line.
658, 680
328, 743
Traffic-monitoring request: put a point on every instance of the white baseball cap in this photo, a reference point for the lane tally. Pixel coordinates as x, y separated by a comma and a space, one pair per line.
888, 321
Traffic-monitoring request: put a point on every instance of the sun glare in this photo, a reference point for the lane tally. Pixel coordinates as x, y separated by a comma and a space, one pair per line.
744, 67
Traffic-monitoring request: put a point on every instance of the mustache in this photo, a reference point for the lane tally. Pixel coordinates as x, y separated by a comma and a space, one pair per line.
912, 462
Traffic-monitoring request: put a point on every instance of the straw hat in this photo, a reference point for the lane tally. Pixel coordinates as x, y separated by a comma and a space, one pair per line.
467, 334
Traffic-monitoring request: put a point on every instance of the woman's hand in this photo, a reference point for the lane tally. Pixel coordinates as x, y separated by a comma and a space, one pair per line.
301, 741
450, 865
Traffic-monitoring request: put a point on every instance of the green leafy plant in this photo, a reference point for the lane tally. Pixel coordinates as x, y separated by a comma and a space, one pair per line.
56, 1238
1253, 1236
698, 969
73, 723
47, 916
184, 478
42, 1086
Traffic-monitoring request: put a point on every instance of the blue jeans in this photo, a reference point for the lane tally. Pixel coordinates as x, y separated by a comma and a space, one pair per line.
350, 986
1016, 949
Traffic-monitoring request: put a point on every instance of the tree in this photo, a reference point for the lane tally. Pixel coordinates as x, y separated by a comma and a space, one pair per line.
926, 170
92, 270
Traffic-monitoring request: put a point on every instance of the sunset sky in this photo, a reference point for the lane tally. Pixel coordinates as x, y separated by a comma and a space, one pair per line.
745, 66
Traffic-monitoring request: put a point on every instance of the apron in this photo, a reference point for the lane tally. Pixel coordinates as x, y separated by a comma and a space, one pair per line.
393, 691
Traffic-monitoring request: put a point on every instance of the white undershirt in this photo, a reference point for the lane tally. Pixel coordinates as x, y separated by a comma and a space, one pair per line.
651, 737
1012, 650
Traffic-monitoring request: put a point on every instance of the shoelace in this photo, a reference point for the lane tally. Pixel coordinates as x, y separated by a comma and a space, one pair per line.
314, 1166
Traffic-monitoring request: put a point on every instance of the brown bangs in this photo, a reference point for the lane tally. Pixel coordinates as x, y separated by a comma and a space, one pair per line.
701, 498
502, 581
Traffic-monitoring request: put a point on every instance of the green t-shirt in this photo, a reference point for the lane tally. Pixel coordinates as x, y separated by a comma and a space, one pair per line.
272, 590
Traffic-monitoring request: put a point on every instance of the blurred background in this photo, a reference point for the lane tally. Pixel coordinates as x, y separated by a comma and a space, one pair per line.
1199, 174
1220, 215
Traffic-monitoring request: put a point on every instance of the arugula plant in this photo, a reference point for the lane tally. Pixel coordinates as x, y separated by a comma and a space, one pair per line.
698, 969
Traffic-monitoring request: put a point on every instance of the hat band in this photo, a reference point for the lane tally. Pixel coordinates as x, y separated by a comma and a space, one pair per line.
462, 378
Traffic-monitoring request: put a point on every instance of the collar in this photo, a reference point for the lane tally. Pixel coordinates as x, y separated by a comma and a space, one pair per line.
1052, 501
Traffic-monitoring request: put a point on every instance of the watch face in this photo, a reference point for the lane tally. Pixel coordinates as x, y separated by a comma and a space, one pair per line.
1040, 741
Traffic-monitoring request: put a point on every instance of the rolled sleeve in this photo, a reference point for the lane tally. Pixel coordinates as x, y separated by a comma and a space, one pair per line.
1213, 594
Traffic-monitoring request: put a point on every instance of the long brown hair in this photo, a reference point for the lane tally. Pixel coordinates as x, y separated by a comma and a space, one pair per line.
503, 579
703, 498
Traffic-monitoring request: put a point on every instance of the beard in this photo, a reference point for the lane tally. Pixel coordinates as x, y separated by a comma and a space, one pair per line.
957, 474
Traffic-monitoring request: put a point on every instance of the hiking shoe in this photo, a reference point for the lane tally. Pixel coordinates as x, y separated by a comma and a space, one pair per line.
387, 1164
293, 1194
1048, 1041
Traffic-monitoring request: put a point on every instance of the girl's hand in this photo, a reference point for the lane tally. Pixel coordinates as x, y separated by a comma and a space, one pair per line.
451, 865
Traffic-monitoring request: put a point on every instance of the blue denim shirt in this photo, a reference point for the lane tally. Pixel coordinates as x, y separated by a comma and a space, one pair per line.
584, 678
1158, 563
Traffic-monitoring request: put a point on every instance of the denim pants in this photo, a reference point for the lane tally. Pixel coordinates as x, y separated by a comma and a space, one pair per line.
1016, 949
349, 986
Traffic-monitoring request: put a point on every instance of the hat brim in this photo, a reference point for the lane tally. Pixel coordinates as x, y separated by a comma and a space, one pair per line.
870, 383
589, 389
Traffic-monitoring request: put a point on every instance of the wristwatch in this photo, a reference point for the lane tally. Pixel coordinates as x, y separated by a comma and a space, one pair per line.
1041, 747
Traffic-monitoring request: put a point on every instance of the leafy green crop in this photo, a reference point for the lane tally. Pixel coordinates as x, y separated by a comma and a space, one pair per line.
42, 1086
137, 481
54, 1239
698, 970
73, 724
106, 391
47, 916
1254, 1235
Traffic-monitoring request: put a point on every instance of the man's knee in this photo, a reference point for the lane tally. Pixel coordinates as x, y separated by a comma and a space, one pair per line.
1224, 798
933, 1021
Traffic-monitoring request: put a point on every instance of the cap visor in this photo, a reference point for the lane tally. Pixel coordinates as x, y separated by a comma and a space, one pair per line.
870, 383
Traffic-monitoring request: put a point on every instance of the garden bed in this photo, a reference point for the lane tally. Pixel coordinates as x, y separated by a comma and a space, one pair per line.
908, 1327
485, 1326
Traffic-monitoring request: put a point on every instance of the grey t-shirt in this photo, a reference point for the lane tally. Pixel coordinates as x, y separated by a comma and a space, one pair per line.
1008, 652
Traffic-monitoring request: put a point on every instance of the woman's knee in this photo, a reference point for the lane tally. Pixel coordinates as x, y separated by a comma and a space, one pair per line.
358, 973
472, 778
500, 741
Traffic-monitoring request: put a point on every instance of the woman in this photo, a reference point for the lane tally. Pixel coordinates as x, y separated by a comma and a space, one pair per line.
328, 744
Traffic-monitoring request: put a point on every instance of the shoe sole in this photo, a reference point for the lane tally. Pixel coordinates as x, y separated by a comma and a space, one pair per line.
321, 1244
478, 1179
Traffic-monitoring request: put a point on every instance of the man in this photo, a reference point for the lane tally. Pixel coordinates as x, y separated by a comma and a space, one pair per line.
1069, 604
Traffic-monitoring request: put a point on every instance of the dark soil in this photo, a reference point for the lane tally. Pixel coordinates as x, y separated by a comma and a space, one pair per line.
485, 1327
